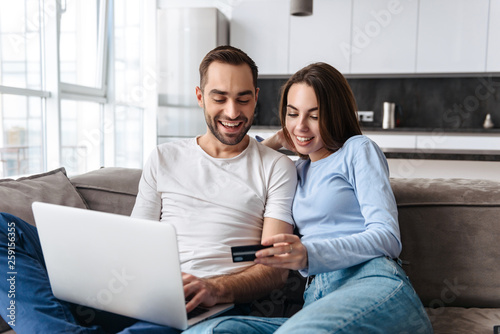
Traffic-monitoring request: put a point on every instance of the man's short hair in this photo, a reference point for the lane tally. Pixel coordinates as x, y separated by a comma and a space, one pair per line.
226, 54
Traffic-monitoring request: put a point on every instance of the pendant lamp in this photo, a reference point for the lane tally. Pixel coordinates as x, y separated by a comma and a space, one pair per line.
301, 7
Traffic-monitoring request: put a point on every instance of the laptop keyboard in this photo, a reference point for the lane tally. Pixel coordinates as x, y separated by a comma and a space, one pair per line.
196, 312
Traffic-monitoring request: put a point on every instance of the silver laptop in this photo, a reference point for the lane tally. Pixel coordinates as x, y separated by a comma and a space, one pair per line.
115, 263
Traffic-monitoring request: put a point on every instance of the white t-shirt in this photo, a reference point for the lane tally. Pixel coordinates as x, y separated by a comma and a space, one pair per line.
213, 203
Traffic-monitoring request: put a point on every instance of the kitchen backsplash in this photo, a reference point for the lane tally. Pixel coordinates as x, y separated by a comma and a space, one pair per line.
446, 103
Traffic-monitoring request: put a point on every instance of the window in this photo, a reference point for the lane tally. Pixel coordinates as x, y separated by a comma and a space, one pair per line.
21, 143
22, 99
20, 44
131, 82
76, 93
128, 136
81, 136
82, 40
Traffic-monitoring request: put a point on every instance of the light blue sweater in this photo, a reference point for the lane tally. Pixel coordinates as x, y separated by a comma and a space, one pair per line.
345, 209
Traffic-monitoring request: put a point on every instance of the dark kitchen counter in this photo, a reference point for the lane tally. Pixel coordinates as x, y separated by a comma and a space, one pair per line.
464, 155
435, 154
432, 130
430, 154
482, 131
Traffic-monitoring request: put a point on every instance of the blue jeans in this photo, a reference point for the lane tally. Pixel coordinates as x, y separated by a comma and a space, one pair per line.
26, 299
372, 297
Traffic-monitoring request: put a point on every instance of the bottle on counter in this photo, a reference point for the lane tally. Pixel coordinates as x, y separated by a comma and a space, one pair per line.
488, 123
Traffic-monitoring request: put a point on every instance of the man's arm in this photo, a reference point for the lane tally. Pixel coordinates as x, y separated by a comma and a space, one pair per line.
244, 286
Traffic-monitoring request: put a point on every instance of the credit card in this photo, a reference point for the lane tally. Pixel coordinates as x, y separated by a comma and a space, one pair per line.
245, 253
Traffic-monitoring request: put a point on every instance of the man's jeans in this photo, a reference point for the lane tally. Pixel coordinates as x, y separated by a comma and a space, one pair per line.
26, 299
372, 297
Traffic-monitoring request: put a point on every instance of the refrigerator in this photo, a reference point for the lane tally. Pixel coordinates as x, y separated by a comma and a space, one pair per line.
185, 35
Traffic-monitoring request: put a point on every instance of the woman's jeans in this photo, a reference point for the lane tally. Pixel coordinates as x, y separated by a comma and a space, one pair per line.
372, 297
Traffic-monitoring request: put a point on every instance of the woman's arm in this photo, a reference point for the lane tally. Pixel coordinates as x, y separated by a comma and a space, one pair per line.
288, 252
369, 176
370, 182
278, 141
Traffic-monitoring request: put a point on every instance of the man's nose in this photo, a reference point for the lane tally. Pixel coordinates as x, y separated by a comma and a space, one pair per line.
232, 110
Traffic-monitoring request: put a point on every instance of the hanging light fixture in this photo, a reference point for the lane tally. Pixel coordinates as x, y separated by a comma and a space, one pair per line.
301, 7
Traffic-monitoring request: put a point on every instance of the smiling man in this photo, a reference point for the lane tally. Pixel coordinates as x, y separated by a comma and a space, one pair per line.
228, 98
229, 103
219, 190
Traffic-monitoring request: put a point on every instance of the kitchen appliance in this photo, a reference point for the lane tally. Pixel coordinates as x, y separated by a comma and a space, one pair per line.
488, 123
388, 115
301, 7
185, 36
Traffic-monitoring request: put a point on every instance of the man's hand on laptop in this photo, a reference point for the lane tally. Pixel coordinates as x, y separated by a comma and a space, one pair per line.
199, 291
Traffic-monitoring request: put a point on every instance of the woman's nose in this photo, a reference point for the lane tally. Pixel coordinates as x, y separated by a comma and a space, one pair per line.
302, 123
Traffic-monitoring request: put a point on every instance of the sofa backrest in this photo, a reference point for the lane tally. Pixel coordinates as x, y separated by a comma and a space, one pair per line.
16, 196
450, 230
110, 189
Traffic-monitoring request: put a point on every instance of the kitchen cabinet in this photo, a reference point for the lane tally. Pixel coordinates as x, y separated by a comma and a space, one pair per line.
384, 36
392, 141
437, 142
325, 36
452, 36
458, 142
260, 28
371, 36
493, 60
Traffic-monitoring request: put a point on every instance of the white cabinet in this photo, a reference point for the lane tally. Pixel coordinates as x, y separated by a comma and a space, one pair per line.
393, 141
260, 28
384, 36
493, 60
325, 36
371, 36
428, 143
437, 142
452, 36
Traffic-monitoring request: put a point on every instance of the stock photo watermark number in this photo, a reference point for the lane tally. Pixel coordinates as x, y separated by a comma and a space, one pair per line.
11, 274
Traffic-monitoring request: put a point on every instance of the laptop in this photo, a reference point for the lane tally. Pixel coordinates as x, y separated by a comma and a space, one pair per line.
115, 263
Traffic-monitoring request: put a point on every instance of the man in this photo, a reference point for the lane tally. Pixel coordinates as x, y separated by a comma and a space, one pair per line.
242, 193
219, 190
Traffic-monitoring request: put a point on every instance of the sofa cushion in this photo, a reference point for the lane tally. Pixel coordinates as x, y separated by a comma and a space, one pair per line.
448, 228
110, 189
464, 320
51, 187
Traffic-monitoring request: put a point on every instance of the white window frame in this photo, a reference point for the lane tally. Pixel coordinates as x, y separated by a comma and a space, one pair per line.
53, 90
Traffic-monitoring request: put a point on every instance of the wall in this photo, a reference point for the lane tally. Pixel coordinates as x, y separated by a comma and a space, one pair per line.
447, 103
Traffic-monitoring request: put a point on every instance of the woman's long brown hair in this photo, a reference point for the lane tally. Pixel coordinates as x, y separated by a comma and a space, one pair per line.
337, 107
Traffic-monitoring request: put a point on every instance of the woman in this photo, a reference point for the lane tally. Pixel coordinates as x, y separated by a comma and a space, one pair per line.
345, 212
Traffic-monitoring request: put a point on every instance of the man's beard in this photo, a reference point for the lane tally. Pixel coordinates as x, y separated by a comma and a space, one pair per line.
229, 139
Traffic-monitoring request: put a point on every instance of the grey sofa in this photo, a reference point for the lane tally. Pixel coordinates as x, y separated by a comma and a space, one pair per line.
450, 231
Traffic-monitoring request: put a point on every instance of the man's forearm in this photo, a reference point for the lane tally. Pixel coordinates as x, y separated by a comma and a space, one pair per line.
249, 284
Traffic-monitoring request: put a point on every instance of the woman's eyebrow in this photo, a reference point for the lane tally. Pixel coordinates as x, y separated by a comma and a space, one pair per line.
294, 108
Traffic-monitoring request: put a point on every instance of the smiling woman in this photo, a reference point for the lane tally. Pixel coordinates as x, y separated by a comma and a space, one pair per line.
345, 212
302, 122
